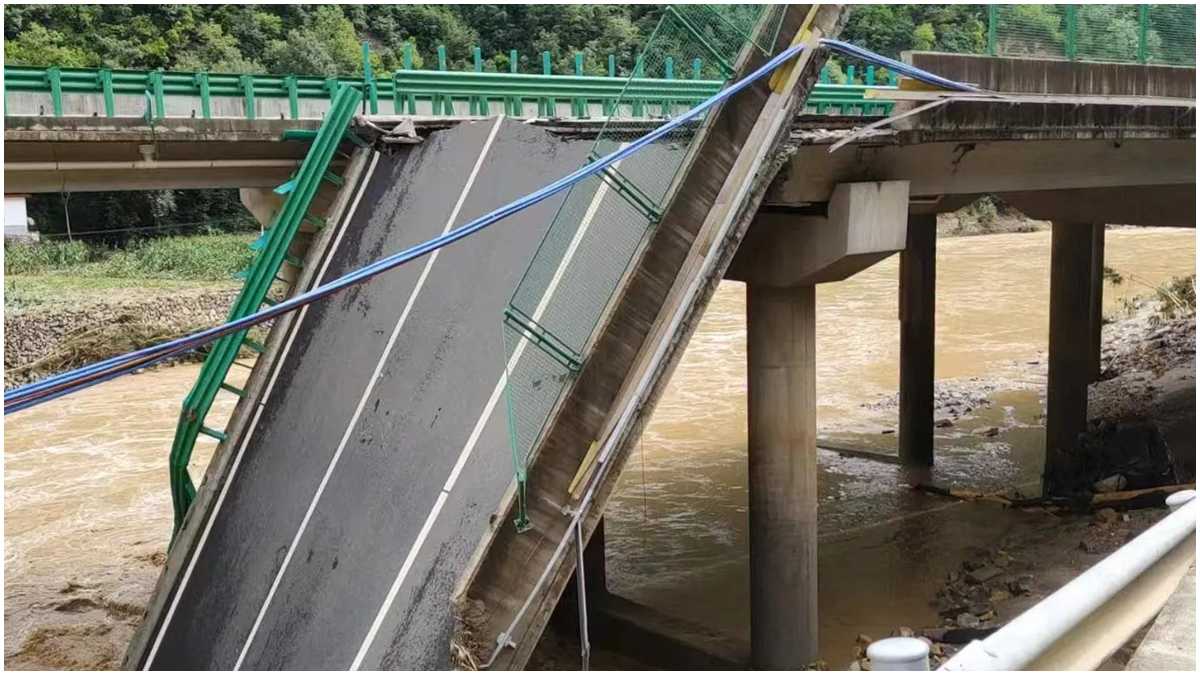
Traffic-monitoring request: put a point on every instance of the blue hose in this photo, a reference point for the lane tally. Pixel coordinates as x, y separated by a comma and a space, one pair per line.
26, 396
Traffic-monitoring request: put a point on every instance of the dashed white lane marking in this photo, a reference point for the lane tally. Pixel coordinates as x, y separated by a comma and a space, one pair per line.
333, 462
208, 525
469, 447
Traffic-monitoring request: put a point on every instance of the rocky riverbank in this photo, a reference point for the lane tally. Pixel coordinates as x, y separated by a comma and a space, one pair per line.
46, 339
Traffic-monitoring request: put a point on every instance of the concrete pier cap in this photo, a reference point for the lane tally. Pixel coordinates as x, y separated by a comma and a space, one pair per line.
863, 224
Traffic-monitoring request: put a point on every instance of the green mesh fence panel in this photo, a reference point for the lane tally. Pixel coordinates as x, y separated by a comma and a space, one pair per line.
1107, 32
1171, 34
1163, 34
1030, 30
604, 220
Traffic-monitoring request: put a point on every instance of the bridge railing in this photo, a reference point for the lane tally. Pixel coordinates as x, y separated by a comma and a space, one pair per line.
103, 92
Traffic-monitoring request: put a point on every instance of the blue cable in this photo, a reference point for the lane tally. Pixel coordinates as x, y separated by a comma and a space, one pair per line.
894, 65
53, 387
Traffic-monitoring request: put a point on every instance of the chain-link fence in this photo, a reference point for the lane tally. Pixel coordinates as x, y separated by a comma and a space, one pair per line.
604, 220
1161, 34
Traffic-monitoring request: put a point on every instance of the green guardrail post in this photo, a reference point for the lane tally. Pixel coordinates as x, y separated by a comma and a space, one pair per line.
993, 16
823, 76
697, 68
247, 85
669, 73
372, 92
579, 103
410, 100
513, 102
870, 76
546, 105
106, 86
1072, 46
612, 65
446, 106
205, 95
293, 90
639, 71
1143, 54
850, 74
160, 95
479, 104
54, 78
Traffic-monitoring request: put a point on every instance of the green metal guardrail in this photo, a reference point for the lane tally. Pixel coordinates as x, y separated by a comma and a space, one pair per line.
1161, 34
411, 90
272, 250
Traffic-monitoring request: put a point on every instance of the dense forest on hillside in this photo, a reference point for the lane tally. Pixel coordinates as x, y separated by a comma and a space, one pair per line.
326, 39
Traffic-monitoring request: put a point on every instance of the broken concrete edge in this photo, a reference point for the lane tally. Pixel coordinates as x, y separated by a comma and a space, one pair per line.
773, 158
220, 467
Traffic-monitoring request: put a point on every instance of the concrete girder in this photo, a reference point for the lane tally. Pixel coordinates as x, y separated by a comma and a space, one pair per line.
951, 168
1149, 205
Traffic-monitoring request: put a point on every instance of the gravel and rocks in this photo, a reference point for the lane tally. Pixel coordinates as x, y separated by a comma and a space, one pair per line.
43, 342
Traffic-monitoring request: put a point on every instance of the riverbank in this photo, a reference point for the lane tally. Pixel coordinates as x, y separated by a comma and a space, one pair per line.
67, 304
55, 323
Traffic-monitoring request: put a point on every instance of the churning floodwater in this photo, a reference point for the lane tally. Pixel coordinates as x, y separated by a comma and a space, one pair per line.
87, 503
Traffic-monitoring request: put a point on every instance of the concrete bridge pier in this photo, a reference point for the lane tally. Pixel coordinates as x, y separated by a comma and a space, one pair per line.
782, 259
1076, 258
917, 282
781, 354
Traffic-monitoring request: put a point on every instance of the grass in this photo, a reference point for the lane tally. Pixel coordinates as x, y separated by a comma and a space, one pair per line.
50, 274
209, 257
53, 291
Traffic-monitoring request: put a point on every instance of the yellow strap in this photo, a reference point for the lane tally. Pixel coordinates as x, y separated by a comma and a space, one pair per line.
780, 77
585, 468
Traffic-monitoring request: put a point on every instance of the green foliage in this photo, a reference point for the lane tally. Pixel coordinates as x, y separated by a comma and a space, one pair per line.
325, 44
42, 46
1176, 298
891, 29
41, 257
201, 257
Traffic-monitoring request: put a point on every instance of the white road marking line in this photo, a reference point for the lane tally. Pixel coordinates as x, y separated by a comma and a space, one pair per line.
208, 525
387, 350
469, 447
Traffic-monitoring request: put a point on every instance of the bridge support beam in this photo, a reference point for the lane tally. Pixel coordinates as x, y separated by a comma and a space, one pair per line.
917, 283
1072, 314
781, 352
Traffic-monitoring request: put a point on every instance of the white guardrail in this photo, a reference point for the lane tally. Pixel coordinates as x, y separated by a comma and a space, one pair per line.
1082, 623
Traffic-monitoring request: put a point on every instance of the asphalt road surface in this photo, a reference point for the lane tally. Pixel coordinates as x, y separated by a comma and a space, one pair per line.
340, 501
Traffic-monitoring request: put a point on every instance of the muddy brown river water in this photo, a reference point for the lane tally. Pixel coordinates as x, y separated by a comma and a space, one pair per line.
87, 508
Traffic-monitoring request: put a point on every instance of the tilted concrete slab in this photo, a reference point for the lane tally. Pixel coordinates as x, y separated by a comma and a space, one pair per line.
335, 493
635, 350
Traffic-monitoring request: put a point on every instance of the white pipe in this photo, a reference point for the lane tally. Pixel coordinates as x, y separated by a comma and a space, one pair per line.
1033, 633
152, 164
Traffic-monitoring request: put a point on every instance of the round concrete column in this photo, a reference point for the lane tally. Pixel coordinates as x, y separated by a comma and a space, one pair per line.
781, 353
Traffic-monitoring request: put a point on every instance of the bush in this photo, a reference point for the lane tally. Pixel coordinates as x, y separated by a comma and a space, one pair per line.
47, 256
207, 257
